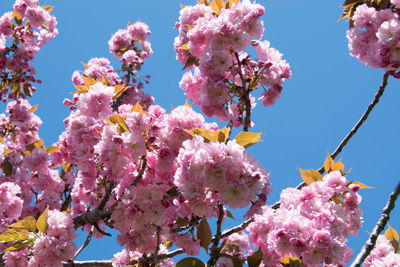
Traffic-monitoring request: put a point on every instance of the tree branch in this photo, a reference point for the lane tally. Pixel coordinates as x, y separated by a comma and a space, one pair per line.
352, 131
380, 225
245, 96
84, 245
155, 256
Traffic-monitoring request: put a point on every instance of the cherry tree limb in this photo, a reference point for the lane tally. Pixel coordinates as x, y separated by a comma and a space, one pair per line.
84, 245
380, 225
108, 263
354, 130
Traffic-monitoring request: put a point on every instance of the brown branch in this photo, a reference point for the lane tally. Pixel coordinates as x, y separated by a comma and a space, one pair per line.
362, 119
84, 245
108, 263
141, 172
380, 225
245, 96
155, 256
105, 263
237, 229
91, 217
352, 131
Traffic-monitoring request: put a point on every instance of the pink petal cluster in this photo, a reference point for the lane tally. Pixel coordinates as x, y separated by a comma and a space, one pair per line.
375, 37
26, 39
383, 254
214, 47
312, 223
56, 244
10, 203
213, 173
125, 43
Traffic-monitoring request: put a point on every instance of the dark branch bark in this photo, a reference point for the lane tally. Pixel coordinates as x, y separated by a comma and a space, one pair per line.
380, 225
108, 263
353, 131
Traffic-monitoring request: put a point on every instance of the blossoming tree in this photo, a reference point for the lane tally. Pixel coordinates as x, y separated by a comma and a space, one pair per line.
158, 177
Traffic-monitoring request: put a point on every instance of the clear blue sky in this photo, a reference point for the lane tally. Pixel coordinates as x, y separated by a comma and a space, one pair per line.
327, 94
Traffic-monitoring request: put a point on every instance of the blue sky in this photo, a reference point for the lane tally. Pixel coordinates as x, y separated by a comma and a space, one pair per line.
327, 94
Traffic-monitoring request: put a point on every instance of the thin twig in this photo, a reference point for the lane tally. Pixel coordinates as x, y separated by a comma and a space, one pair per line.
362, 119
141, 172
104, 263
84, 245
215, 250
380, 225
245, 95
155, 256
108, 263
352, 131
237, 229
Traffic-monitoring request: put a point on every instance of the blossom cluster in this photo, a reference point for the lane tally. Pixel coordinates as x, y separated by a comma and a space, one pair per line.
51, 247
312, 223
375, 37
383, 253
212, 173
214, 46
26, 30
26, 163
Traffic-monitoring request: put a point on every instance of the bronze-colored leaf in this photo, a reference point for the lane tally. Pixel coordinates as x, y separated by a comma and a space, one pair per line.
247, 139
33, 108
48, 8
254, 260
8, 151
7, 167
237, 262
393, 237
362, 186
117, 119
138, 108
52, 149
184, 47
119, 89
84, 65
310, 176
190, 262
88, 81
288, 261
223, 135
191, 61
204, 234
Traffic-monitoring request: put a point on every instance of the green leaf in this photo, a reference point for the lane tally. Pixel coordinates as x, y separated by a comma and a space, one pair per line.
190, 262
255, 259
310, 176
41, 223
393, 237
28, 223
247, 139
204, 234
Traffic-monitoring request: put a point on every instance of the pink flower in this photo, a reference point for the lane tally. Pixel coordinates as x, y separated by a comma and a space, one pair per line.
37, 16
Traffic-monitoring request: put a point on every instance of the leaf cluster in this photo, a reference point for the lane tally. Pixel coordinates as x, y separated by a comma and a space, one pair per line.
23, 233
